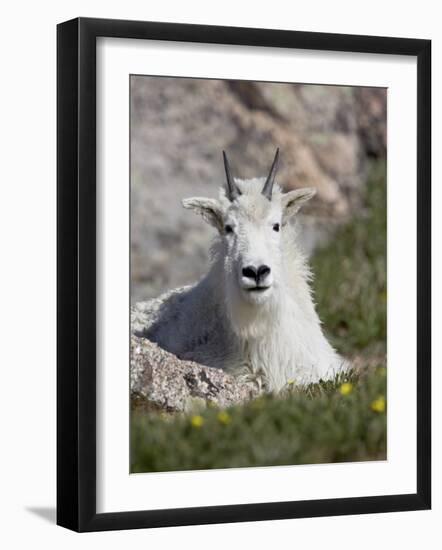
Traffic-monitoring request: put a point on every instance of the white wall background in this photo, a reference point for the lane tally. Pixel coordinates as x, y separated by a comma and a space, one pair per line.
27, 272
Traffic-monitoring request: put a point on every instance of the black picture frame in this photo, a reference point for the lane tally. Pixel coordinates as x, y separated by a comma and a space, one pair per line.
76, 273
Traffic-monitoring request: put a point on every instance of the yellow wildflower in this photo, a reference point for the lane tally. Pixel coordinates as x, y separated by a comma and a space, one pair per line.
197, 421
224, 417
346, 388
378, 405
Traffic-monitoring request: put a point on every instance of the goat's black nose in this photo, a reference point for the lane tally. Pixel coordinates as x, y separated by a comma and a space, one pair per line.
263, 271
256, 274
250, 272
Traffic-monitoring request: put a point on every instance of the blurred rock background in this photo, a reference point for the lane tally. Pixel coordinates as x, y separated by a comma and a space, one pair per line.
179, 127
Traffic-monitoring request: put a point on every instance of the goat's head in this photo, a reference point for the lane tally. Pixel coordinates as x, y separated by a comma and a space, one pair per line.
251, 216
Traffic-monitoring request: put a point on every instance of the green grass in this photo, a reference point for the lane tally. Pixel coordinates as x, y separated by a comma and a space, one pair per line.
351, 277
334, 421
299, 429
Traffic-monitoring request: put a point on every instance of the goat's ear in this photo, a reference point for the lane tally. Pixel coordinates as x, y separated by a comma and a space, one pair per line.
292, 201
209, 209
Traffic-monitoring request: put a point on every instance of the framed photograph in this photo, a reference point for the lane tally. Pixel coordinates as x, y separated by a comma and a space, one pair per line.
243, 274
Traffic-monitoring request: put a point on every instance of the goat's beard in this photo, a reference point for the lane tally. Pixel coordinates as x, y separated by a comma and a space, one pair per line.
249, 314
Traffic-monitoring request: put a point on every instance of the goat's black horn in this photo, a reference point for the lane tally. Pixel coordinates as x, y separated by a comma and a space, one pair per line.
268, 186
232, 191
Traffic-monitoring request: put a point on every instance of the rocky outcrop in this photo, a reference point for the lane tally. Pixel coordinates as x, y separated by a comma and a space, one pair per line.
160, 381
179, 127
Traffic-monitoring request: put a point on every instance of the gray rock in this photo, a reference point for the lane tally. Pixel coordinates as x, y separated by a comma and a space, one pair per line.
179, 127
160, 381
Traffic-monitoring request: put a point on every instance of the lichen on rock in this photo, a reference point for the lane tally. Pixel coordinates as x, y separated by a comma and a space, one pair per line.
160, 381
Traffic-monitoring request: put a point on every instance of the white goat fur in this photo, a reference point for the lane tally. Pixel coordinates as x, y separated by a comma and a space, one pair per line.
275, 339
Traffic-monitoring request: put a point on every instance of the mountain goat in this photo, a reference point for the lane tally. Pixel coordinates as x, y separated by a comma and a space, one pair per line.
252, 314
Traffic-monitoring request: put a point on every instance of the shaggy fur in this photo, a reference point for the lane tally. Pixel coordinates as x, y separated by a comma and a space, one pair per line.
274, 336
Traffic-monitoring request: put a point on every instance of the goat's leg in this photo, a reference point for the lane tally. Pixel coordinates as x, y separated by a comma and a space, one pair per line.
245, 374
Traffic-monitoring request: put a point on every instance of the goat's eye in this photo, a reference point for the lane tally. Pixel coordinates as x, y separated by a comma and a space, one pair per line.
228, 228
276, 227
